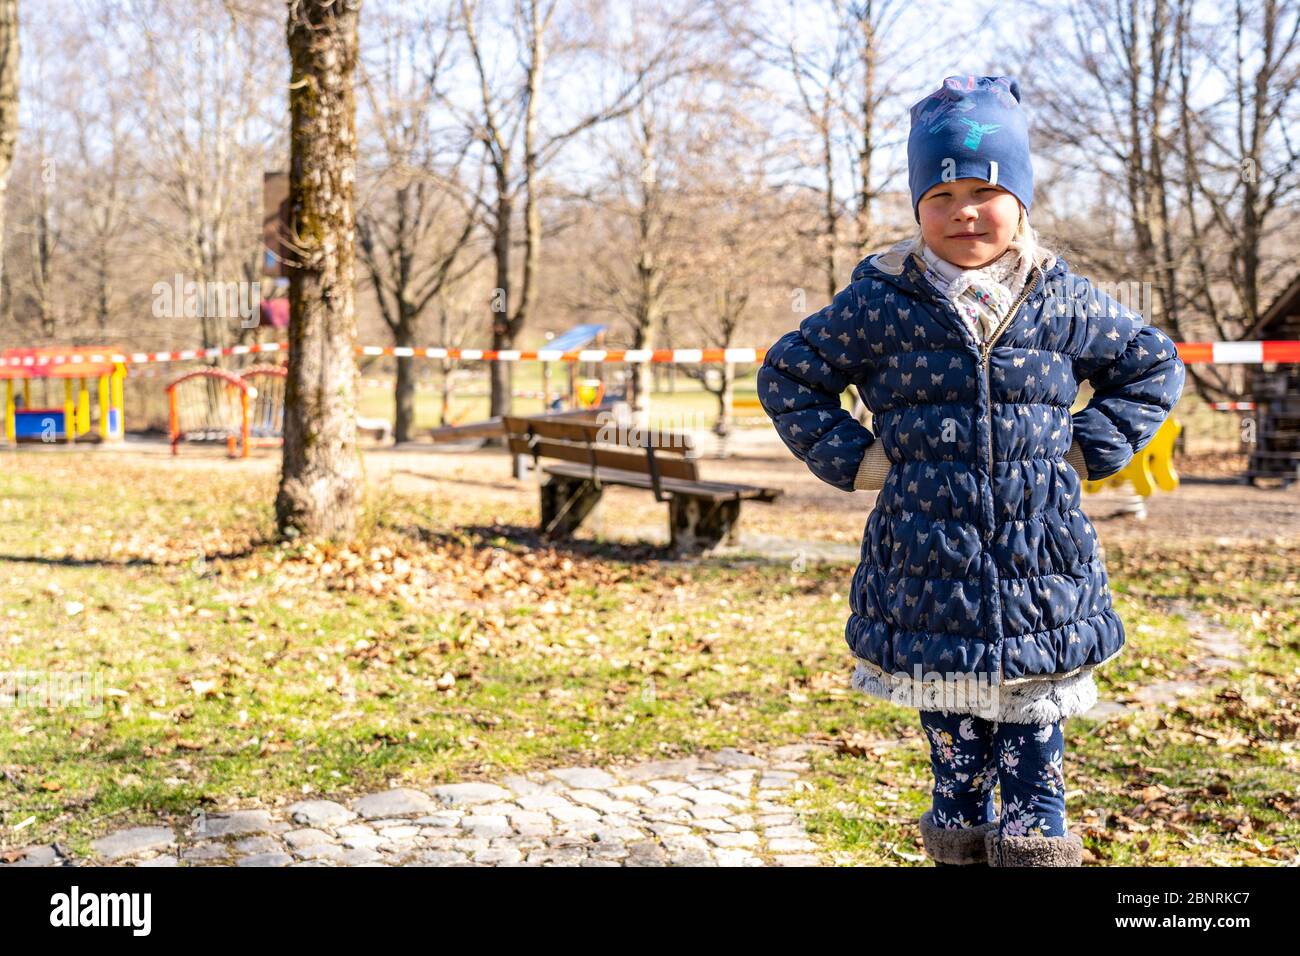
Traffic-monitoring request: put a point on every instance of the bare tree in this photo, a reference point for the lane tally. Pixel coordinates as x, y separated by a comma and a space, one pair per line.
1240, 158
44, 238
208, 136
1205, 182
104, 189
8, 103
508, 106
742, 265
320, 474
418, 222
629, 271
37, 229
874, 82
652, 259
818, 68
842, 61
646, 216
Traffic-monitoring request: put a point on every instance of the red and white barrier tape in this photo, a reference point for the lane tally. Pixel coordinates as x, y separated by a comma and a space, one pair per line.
142, 358
429, 386
1219, 353
691, 356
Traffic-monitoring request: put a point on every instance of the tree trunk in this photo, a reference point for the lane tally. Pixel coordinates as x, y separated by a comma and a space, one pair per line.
640, 382
831, 221
638, 377
444, 406
499, 373
726, 394
8, 104
319, 480
404, 397
501, 377
867, 147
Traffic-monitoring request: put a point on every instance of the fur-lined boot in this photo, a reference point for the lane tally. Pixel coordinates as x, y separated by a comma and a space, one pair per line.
963, 846
1033, 850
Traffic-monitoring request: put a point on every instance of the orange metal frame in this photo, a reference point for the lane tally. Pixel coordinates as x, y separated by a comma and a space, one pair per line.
272, 371
232, 381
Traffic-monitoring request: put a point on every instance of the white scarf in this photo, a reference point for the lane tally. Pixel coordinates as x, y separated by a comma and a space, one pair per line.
1025, 252
982, 296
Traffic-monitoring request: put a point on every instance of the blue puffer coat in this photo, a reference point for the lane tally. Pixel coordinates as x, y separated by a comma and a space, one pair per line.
977, 558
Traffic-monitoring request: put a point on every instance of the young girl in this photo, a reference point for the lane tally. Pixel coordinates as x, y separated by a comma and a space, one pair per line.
982, 597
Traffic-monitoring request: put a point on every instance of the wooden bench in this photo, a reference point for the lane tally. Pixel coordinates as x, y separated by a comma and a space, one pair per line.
491, 427
454, 433
380, 429
591, 455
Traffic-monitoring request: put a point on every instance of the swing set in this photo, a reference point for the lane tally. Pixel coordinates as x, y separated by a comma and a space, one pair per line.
266, 417
212, 404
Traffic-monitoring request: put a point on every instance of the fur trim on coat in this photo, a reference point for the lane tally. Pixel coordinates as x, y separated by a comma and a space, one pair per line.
1040, 700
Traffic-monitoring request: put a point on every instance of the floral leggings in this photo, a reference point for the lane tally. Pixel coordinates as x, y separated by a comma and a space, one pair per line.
970, 755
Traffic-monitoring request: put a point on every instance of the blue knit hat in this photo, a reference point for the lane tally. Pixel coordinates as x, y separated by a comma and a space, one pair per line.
972, 126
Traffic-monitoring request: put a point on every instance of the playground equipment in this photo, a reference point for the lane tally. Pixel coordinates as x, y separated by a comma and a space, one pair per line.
24, 421
1150, 468
266, 414
571, 340
211, 404
589, 393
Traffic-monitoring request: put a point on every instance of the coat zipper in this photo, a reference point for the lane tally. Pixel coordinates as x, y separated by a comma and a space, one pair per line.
986, 349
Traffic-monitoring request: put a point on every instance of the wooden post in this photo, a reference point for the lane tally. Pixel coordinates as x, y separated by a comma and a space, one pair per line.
701, 524
565, 502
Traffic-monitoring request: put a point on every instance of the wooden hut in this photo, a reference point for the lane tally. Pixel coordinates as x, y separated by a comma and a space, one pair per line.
1275, 389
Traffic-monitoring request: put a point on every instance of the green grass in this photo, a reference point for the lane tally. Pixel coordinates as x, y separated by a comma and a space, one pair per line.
1207, 780
237, 670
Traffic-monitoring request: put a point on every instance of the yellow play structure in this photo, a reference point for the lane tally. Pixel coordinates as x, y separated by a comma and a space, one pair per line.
1150, 468
70, 421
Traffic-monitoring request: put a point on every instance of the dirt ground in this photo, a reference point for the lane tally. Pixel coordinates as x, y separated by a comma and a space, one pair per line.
1205, 506
1210, 504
